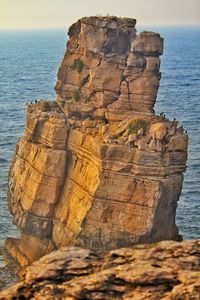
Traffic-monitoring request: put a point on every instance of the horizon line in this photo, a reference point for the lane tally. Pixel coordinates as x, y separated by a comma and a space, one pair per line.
67, 27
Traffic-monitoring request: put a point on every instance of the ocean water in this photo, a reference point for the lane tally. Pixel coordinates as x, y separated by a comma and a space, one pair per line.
179, 97
28, 65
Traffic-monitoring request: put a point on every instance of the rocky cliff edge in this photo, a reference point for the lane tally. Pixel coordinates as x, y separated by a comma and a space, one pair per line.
167, 270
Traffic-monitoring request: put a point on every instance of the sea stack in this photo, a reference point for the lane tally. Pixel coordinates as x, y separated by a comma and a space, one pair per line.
97, 168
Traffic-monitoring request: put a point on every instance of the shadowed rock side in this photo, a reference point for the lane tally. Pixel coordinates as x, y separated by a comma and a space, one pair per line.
98, 169
167, 270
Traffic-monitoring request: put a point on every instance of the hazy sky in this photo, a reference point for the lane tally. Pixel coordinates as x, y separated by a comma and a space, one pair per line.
26, 14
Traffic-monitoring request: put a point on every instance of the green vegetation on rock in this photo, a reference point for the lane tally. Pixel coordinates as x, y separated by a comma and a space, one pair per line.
76, 96
136, 124
78, 65
123, 77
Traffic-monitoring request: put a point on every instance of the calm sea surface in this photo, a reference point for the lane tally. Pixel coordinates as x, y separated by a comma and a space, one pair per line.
28, 66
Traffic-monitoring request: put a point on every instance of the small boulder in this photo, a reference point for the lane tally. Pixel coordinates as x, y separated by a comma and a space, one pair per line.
103, 129
89, 123
121, 140
126, 132
142, 144
132, 137
158, 131
140, 131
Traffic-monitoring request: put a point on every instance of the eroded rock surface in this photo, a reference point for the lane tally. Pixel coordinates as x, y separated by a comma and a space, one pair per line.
167, 270
98, 168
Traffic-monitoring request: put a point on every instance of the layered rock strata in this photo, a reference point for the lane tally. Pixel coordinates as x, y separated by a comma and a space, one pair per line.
98, 168
167, 270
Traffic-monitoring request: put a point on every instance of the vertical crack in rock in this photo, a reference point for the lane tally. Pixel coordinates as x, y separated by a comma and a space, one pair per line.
97, 168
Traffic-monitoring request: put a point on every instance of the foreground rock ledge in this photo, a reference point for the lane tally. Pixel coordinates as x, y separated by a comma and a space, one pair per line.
97, 168
167, 270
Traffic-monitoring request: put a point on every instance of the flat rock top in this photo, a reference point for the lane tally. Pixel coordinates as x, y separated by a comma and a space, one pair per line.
166, 270
105, 21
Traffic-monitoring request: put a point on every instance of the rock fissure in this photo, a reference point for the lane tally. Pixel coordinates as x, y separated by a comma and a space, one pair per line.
115, 201
80, 186
32, 167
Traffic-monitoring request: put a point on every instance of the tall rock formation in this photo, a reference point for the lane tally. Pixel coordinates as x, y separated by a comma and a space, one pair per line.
98, 169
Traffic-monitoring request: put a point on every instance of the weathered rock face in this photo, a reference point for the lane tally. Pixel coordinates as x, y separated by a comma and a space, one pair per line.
167, 270
113, 72
98, 169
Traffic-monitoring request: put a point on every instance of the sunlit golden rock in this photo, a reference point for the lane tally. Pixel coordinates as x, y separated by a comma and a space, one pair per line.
98, 169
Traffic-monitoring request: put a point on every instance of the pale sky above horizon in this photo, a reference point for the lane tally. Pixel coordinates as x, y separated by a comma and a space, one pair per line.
36, 14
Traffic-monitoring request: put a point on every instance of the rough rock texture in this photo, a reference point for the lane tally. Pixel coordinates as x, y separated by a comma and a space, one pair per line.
114, 72
98, 169
167, 270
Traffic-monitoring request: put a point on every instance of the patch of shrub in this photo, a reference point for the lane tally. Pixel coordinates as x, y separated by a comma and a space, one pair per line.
78, 65
76, 96
136, 124
123, 77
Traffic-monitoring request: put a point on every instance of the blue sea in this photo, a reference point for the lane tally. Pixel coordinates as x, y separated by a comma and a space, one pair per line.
28, 65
